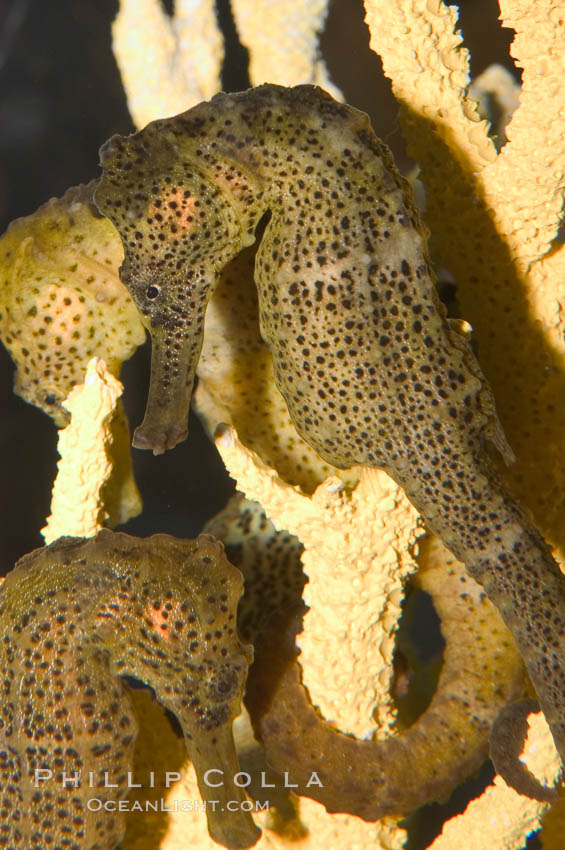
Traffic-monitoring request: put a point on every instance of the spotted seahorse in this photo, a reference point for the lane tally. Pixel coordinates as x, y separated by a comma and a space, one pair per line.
75, 617
371, 370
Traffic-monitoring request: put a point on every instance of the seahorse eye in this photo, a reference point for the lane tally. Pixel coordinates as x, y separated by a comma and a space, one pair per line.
153, 291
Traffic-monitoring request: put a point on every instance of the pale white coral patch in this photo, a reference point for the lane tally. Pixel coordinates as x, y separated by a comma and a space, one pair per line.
168, 64
283, 41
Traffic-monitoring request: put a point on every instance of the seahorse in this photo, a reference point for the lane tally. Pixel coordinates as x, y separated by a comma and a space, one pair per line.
75, 617
371, 370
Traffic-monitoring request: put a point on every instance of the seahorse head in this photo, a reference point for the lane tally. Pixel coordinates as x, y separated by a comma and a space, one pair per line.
178, 228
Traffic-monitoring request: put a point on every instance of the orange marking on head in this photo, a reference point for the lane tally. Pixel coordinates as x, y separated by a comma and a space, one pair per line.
156, 617
175, 207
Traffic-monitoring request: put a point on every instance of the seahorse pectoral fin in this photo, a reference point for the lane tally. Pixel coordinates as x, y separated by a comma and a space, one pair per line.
165, 423
216, 765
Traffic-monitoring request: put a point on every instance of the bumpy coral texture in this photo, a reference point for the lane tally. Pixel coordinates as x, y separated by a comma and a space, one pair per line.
283, 41
481, 671
495, 219
180, 59
76, 616
61, 301
371, 371
94, 483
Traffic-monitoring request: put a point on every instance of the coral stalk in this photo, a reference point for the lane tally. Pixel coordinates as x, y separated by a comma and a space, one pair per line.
355, 567
282, 39
524, 186
87, 492
429, 69
167, 64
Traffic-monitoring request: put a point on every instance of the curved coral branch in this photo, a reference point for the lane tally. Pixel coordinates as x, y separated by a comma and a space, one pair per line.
422, 764
482, 670
525, 185
356, 556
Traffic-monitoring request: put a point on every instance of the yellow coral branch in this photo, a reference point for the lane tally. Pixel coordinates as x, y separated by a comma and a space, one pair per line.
421, 53
356, 557
170, 64
522, 188
526, 183
282, 39
167, 64
78, 506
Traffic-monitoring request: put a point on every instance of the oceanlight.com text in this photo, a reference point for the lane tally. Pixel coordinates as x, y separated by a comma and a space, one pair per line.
95, 804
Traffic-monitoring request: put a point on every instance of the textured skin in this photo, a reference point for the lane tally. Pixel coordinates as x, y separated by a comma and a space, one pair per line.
236, 382
75, 617
61, 300
371, 371
269, 561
